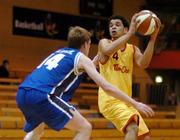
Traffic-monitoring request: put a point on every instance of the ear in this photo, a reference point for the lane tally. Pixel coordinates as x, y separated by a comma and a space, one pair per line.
125, 29
85, 44
82, 46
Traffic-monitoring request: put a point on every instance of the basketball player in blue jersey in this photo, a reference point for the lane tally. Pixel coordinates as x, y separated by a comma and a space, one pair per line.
43, 96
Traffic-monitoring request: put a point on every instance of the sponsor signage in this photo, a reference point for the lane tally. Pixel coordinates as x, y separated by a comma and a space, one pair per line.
45, 24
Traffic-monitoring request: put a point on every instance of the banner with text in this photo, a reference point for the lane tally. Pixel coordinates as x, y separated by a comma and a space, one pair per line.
45, 24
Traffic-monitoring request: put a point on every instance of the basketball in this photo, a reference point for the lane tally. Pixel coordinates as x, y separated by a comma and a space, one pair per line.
147, 22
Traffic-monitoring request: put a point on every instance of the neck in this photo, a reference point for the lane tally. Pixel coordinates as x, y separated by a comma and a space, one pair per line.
83, 51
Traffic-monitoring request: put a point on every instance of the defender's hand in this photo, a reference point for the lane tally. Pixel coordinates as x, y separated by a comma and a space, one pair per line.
146, 110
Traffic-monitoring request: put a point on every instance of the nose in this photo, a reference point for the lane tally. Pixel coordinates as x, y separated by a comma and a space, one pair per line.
113, 27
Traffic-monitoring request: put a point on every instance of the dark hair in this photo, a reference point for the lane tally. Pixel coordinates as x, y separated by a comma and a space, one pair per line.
124, 21
77, 36
5, 61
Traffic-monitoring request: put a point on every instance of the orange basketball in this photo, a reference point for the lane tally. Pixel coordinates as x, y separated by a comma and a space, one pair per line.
147, 22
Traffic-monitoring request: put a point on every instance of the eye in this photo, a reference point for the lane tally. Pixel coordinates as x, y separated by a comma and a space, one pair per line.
110, 25
118, 24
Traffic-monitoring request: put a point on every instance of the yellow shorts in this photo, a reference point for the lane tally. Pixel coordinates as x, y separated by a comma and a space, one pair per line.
121, 115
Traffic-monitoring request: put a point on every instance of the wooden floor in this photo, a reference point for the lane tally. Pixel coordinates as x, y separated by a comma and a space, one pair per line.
97, 134
164, 126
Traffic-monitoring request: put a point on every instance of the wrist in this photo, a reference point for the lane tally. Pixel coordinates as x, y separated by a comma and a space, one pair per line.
153, 38
129, 34
134, 103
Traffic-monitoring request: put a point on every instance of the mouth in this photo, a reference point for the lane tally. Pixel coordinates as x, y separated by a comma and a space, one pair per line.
113, 32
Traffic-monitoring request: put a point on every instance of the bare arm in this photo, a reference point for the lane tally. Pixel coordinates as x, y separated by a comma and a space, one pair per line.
89, 67
96, 60
144, 59
107, 48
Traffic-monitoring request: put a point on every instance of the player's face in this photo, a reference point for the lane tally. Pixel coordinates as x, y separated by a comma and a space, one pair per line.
116, 28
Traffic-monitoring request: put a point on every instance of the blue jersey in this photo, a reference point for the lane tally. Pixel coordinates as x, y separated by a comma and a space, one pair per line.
57, 74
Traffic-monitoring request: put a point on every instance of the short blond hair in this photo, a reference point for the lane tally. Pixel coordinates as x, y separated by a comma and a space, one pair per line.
77, 36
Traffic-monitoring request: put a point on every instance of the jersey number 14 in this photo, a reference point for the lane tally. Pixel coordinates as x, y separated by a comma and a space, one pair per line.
51, 61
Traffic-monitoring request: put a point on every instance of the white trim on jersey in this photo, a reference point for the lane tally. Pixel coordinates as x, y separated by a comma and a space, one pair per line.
52, 91
65, 102
64, 111
69, 86
76, 62
75, 69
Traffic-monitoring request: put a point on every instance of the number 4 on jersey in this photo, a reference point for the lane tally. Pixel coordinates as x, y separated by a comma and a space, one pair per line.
115, 56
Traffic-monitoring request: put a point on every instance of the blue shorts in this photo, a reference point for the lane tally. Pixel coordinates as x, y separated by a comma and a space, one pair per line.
39, 107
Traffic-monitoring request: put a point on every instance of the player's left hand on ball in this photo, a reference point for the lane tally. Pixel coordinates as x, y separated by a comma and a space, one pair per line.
158, 26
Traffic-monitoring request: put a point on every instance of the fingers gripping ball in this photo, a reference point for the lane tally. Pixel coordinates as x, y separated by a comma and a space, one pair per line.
147, 22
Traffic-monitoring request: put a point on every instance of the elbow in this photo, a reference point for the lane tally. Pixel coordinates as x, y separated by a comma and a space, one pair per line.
146, 65
107, 52
143, 65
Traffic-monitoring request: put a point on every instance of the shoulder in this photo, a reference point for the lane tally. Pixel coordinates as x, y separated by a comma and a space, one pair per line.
103, 43
104, 40
131, 46
83, 59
